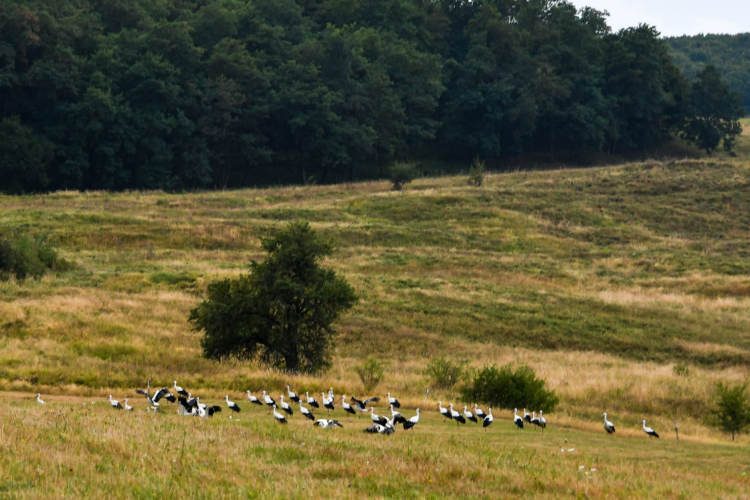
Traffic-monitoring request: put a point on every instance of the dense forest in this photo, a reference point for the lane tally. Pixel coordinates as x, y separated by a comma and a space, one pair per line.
186, 94
729, 53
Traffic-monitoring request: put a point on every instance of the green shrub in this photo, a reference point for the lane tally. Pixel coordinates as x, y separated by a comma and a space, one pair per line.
732, 411
477, 173
370, 373
403, 173
21, 257
444, 373
505, 388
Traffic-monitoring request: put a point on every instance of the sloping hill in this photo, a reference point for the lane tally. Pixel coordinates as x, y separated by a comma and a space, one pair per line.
613, 271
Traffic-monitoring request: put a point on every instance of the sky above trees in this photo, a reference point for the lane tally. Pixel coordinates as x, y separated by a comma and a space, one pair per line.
677, 17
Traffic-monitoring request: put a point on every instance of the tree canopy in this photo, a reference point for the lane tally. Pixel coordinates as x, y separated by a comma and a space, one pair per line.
174, 94
283, 311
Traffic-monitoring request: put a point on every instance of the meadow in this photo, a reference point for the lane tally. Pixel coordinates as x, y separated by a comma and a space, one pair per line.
625, 287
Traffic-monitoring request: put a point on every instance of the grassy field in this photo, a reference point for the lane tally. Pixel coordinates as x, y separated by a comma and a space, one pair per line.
603, 280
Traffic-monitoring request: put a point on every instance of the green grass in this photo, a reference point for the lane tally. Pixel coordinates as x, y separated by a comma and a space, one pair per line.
602, 280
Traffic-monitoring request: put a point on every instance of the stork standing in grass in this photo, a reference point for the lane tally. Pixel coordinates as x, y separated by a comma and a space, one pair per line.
347, 407
292, 395
488, 419
409, 424
470, 416
648, 430
456, 416
39, 399
306, 413
608, 426
393, 401
268, 400
179, 390
327, 403
285, 406
526, 416
377, 419
115, 404
127, 406
253, 399
232, 405
517, 420
479, 413
278, 416
311, 401
444, 411
397, 417
542, 421
534, 420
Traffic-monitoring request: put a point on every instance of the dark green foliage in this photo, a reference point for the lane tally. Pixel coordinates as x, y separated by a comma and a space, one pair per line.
729, 53
444, 373
370, 373
504, 388
401, 174
283, 311
213, 94
23, 256
713, 112
732, 411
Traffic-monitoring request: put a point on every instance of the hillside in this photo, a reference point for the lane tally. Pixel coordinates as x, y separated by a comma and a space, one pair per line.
603, 280
729, 53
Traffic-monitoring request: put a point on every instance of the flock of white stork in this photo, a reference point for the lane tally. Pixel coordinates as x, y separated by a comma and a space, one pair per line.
190, 406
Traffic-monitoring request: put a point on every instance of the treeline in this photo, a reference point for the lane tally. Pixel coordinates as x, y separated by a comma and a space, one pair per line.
729, 53
183, 94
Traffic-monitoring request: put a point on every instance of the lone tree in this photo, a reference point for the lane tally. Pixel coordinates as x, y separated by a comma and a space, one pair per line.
713, 112
732, 408
283, 311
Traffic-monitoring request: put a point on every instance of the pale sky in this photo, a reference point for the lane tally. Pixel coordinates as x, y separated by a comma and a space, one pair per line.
677, 17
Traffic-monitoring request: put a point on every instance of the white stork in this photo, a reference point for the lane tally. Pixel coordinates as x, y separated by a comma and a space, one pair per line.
393, 401
649, 431
311, 401
305, 412
327, 403
409, 424
292, 395
179, 390
517, 420
268, 400
488, 419
278, 416
328, 424
185, 408
470, 416
253, 399
526, 416
347, 407
232, 405
376, 419
542, 421
534, 419
115, 404
39, 399
285, 406
444, 411
608, 426
479, 413
397, 417
379, 429
361, 406
456, 416
127, 406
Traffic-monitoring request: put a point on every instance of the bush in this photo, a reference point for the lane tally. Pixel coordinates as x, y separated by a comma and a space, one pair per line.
505, 388
403, 173
370, 373
732, 411
477, 173
21, 257
444, 373
283, 312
